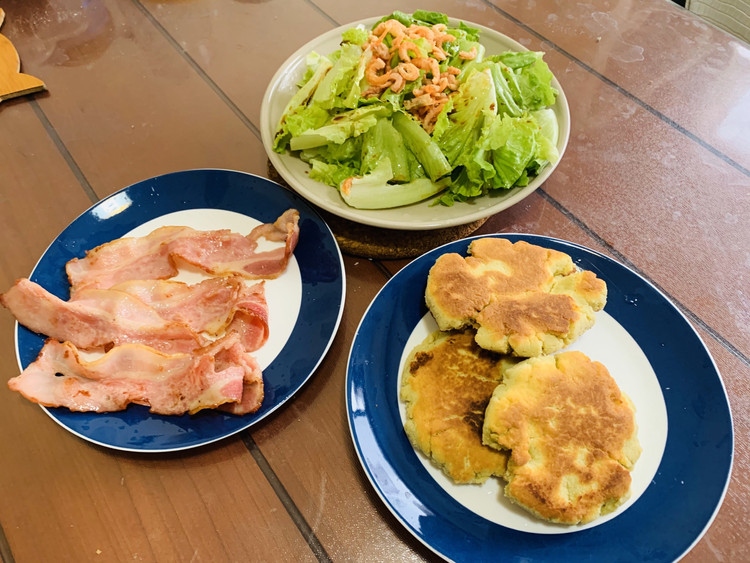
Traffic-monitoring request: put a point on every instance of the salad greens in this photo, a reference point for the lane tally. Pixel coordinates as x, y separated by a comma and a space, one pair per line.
375, 138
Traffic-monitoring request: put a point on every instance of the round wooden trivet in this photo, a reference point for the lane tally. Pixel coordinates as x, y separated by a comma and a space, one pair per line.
373, 242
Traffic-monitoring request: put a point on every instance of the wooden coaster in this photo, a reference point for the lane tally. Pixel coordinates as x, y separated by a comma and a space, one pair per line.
12, 81
366, 241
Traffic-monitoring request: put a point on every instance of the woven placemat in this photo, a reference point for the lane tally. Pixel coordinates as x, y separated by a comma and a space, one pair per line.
366, 241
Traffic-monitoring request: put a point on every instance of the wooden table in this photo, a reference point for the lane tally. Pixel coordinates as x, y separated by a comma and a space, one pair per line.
656, 175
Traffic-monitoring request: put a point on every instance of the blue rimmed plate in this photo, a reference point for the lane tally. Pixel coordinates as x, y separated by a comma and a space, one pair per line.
656, 357
305, 302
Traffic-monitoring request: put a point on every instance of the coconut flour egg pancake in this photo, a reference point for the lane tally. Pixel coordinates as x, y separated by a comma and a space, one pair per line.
522, 298
446, 384
571, 433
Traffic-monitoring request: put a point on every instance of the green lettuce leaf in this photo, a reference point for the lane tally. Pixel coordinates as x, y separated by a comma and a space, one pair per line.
356, 35
347, 153
425, 149
533, 77
305, 119
474, 99
318, 66
426, 17
384, 141
374, 190
405, 19
331, 174
340, 127
341, 87
513, 145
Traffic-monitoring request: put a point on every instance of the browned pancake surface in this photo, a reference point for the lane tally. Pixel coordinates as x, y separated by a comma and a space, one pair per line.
572, 435
522, 298
447, 382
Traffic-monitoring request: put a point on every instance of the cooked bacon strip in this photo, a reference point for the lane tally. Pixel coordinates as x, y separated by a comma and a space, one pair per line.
204, 306
125, 259
166, 315
250, 319
228, 253
132, 373
97, 318
219, 252
214, 305
252, 384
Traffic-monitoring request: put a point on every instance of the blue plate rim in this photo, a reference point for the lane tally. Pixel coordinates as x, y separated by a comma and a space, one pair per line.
577, 249
308, 213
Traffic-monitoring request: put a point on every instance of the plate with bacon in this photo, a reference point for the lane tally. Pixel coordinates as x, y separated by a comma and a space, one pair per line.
178, 311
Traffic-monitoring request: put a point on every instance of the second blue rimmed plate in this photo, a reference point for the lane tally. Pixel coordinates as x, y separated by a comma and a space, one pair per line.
305, 302
656, 357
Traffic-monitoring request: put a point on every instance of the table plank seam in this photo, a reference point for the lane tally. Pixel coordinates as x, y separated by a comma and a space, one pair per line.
623, 259
322, 12
623, 91
286, 500
383, 270
63, 150
198, 69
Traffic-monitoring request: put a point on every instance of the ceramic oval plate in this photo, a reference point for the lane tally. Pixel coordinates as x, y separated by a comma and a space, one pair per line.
656, 357
417, 216
305, 303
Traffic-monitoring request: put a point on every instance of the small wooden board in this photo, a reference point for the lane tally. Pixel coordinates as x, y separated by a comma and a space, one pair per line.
12, 81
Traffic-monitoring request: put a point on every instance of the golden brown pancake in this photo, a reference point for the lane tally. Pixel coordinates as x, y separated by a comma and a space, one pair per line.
522, 298
446, 384
571, 433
